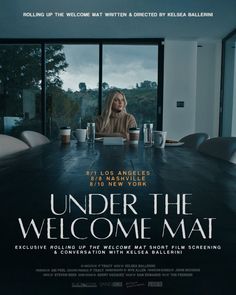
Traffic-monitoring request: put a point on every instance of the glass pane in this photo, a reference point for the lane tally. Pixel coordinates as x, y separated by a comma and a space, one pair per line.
20, 90
229, 105
72, 86
133, 70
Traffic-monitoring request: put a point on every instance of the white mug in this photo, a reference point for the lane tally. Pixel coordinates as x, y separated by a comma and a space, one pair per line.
159, 138
80, 134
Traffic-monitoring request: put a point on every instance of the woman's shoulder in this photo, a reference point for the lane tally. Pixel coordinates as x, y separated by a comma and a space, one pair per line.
129, 116
131, 120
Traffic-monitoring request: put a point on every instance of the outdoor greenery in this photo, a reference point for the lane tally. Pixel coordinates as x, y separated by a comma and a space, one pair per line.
20, 92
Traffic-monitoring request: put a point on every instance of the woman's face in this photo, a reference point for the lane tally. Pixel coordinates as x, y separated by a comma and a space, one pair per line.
118, 103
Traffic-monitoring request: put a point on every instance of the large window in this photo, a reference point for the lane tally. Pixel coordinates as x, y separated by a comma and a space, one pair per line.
20, 88
47, 85
72, 90
133, 69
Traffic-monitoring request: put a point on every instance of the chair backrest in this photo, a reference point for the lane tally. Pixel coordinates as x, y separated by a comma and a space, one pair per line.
10, 145
33, 138
220, 147
194, 140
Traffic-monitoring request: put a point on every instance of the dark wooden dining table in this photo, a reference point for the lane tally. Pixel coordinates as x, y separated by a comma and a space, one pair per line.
28, 179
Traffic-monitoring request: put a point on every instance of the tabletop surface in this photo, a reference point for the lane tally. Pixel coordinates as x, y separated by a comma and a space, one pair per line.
64, 169
28, 179
171, 169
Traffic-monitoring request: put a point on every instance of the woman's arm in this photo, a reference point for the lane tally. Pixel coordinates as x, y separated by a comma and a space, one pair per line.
127, 122
132, 122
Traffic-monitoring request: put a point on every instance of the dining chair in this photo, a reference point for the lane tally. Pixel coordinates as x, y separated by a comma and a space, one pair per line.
33, 138
194, 140
220, 147
10, 145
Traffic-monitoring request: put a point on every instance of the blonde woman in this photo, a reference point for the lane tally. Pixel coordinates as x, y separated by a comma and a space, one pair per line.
114, 120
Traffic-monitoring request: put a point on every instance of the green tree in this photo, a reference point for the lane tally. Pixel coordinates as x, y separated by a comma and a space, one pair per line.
146, 84
21, 72
55, 64
20, 66
82, 86
105, 86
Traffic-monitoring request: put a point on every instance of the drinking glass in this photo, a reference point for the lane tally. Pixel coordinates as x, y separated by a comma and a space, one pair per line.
91, 132
147, 134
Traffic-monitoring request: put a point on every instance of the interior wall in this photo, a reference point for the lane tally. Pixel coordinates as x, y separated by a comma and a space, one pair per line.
179, 85
234, 96
217, 87
191, 75
228, 88
208, 88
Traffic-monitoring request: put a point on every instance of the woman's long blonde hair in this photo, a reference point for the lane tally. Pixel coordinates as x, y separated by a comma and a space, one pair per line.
106, 113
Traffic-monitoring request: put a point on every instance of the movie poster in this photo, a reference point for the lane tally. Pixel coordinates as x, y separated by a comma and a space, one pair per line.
122, 218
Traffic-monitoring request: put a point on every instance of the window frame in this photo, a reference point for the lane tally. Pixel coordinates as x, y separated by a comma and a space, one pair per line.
159, 42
